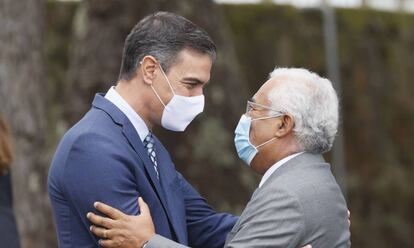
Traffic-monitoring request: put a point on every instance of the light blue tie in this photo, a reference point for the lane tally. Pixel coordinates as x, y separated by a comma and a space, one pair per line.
149, 143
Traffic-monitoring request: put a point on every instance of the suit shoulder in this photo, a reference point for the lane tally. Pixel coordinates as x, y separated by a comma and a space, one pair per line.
322, 201
93, 135
312, 186
95, 126
302, 180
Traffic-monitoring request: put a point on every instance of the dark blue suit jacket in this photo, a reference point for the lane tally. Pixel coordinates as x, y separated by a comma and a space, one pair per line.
102, 158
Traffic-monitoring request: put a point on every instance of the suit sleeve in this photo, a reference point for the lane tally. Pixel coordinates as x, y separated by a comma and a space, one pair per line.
206, 228
158, 241
95, 171
275, 219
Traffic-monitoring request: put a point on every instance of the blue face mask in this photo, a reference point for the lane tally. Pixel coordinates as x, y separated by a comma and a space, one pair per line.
245, 149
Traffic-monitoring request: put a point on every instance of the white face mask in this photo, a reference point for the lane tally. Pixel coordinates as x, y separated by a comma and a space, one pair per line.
181, 110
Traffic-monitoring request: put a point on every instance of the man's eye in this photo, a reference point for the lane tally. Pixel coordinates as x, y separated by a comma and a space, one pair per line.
190, 86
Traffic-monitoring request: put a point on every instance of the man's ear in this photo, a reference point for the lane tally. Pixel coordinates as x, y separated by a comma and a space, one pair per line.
148, 67
284, 125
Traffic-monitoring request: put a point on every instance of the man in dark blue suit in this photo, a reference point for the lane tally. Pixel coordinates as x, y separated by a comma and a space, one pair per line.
112, 156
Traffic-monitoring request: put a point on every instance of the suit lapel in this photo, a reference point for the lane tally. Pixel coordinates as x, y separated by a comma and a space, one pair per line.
167, 177
134, 140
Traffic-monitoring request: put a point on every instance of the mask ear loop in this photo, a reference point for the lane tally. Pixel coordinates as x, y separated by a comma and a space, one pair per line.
158, 96
168, 81
265, 118
257, 147
152, 87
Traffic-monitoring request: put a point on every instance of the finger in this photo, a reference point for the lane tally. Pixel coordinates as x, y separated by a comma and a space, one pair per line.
101, 232
107, 243
144, 209
307, 246
100, 221
109, 211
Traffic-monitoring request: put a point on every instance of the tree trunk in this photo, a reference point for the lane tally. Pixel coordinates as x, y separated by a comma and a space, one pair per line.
22, 100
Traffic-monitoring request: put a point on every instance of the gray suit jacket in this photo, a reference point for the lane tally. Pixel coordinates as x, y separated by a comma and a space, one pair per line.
299, 204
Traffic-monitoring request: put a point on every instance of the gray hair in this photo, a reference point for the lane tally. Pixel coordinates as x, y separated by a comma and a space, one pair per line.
313, 103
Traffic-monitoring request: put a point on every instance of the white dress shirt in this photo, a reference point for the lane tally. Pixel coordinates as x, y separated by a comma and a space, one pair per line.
277, 165
113, 96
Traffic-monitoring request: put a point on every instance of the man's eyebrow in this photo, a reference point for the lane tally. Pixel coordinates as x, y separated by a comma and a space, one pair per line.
193, 80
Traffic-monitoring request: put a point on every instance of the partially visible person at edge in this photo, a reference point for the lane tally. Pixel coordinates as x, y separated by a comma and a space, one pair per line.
9, 237
288, 124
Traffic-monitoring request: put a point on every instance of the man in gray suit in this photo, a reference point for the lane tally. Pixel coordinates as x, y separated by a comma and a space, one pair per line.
288, 124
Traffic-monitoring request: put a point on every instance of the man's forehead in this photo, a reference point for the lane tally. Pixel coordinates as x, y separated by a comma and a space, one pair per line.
192, 65
261, 95
188, 55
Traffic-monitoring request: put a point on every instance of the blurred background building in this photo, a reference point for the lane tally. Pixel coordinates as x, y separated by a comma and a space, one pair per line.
55, 55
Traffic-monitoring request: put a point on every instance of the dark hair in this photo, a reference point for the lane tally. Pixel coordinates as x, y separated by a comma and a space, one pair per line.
6, 155
162, 35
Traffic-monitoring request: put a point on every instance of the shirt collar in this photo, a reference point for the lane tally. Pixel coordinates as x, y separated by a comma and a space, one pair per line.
113, 96
274, 167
